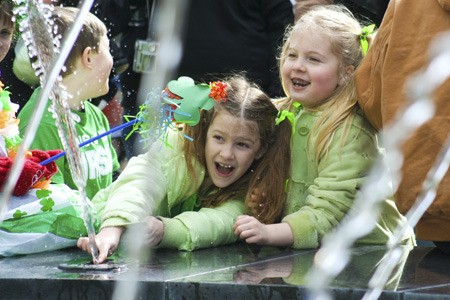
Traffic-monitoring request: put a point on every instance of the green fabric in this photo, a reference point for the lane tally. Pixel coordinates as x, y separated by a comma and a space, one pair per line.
322, 192
190, 204
209, 227
64, 222
151, 184
99, 157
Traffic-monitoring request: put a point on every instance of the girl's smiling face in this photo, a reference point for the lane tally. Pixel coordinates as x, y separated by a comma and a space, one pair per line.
232, 144
6, 36
310, 70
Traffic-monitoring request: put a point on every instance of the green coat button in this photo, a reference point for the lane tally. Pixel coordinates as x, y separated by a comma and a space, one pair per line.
303, 130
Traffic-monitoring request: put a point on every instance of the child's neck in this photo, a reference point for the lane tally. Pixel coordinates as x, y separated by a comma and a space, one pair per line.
207, 186
75, 88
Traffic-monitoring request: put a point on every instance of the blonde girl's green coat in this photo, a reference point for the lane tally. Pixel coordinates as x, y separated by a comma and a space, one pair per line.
321, 192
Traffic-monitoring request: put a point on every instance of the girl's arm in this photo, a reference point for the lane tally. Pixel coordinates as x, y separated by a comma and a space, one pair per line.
147, 181
135, 194
207, 227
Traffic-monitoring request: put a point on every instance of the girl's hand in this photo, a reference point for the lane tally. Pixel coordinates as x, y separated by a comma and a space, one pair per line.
254, 232
107, 241
251, 230
154, 232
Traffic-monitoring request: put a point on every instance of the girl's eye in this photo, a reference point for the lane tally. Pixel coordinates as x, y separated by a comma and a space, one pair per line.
218, 137
243, 145
291, 55
5, 32
314, 59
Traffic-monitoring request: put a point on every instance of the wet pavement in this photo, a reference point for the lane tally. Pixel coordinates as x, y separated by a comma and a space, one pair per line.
236, 271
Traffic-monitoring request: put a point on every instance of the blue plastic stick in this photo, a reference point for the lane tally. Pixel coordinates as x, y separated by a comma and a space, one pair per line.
124, 125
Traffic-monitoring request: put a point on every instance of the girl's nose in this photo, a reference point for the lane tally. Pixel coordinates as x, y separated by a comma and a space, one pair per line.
299, 65
226, 152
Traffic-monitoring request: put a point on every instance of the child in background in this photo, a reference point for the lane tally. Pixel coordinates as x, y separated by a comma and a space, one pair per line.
33, 174
199, 187
85, 76
38, 214
21, 91
302, 6
333, 146
7, 27
8, 122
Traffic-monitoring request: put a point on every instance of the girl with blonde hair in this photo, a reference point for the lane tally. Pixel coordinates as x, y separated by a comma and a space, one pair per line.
332, 145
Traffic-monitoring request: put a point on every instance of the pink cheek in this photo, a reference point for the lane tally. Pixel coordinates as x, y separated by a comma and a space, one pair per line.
286, 69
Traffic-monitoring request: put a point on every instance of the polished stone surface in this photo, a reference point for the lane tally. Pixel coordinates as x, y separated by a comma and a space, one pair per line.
231, 272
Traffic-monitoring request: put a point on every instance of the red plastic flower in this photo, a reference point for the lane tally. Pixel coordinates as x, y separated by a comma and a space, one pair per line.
218, 91
171, 107
170, 94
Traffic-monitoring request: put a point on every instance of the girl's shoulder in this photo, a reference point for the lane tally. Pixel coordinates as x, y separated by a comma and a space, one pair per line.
359, 131
361, 122
169, 149
27, 112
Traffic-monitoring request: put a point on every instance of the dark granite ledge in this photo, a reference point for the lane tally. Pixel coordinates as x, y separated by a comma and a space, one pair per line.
230, 272
437, 293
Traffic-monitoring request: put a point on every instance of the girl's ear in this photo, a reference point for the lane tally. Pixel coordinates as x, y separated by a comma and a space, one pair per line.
86, 58
348, 71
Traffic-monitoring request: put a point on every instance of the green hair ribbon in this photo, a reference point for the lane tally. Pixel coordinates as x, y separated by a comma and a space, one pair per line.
288, 115
365, 32
285, 114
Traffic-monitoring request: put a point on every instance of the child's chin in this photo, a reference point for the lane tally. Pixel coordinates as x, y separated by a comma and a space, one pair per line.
223, 183
101, 91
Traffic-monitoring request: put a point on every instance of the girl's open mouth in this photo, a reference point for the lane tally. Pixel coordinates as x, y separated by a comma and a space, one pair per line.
224, 169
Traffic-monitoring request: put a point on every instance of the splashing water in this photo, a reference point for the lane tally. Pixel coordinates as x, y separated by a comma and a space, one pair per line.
394, 253
33, 12
334, 254
39, 14
169, 35
436, 73
49, 62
